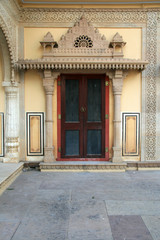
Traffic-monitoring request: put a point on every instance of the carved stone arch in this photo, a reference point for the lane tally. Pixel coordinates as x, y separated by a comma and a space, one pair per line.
9, 28
8, 40
5, 57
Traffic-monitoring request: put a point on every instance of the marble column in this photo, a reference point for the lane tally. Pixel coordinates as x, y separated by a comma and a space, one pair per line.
11, 123
48, 83
117, 92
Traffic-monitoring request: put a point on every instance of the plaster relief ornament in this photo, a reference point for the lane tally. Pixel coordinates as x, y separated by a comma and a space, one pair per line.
117, 42
82, 47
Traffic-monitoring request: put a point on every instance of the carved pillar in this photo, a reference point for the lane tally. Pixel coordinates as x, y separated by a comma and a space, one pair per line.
48, 83
117, 91
11, 123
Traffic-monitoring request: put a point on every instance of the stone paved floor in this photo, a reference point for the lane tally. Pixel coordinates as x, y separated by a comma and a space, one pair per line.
81, 206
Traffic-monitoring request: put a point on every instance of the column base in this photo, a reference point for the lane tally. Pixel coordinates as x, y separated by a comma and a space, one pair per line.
11, 158
117, 154
48, 154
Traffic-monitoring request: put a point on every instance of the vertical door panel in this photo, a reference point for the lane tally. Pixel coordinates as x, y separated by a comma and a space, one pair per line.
95, 120
71, 123
83, 122
72, 100
94, 100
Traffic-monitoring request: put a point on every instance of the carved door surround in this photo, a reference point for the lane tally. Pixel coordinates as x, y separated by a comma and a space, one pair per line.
84, 50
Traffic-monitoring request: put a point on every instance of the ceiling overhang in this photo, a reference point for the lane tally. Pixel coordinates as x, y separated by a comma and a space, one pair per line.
89, 64
87, 2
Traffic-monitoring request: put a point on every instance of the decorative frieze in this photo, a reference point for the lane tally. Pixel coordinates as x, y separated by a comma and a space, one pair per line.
73, 15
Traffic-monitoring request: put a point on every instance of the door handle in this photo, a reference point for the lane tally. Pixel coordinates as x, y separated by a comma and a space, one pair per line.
82, 109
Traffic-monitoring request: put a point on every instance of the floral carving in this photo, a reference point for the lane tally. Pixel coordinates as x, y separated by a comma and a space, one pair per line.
92, 15
83, 41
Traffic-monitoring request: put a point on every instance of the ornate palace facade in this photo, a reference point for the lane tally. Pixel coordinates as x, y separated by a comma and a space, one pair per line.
79, 81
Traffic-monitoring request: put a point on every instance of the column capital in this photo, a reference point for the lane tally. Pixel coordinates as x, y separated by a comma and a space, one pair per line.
110, 74
117, 80
48, 81
10, 87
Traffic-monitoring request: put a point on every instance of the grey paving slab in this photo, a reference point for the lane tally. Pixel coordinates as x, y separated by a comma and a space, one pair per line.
129, 228
7, 229
89, 220
47, 218
144, 208
153, 225
77, 206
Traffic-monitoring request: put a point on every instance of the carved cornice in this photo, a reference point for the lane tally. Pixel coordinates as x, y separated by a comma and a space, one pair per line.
52, 15
81, 63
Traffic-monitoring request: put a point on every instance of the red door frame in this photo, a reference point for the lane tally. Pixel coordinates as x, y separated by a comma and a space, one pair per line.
106, 125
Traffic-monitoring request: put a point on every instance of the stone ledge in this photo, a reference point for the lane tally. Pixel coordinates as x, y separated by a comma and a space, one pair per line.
10, 176
98, 166
148, 165
83, 166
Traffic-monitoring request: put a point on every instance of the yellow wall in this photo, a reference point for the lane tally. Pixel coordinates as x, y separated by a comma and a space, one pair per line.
33, 36
132, 37
131, 94
34, 92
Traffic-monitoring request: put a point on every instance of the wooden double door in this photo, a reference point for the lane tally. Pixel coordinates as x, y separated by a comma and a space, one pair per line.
83, 116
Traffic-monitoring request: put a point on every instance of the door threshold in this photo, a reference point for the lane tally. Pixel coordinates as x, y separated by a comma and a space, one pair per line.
84, 166
82, 159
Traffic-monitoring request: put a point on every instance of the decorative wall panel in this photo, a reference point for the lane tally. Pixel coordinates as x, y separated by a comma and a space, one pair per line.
130, 134
150, 94
35, 134
1, 134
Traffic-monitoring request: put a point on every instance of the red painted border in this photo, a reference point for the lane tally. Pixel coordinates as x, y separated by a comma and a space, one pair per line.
59, 126
58, 118
107, 119
82, 159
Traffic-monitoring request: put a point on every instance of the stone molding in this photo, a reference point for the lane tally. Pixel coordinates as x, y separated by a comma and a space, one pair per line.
82, 63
